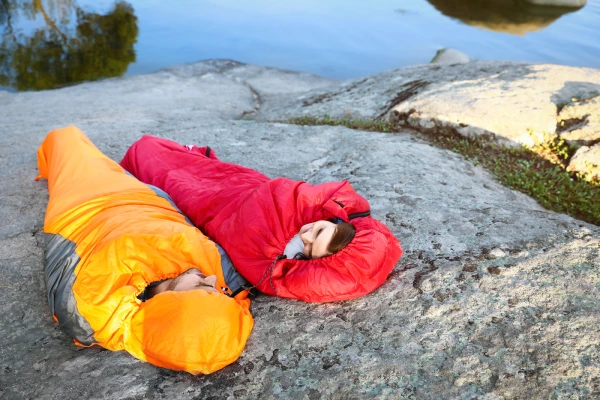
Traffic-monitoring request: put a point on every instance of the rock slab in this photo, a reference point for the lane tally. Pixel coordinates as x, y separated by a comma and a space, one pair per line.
495, 298
510, 103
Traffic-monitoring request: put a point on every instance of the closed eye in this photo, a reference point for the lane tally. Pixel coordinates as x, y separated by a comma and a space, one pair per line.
316, 236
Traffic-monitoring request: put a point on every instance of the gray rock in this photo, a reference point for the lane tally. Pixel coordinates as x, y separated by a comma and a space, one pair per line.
450, 56
452, 321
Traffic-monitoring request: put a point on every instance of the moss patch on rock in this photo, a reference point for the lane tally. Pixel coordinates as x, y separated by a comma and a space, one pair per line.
538, 172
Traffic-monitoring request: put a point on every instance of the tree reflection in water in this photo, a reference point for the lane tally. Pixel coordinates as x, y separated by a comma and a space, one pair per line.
73, 46
510, 16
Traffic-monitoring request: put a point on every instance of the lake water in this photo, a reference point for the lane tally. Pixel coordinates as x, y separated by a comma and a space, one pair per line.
53, 43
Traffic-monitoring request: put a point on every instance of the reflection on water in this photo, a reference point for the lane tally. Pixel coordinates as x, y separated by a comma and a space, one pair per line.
53, 43
65, 44
510, 16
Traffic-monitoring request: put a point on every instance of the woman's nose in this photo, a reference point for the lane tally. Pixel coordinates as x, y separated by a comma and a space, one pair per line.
306, 237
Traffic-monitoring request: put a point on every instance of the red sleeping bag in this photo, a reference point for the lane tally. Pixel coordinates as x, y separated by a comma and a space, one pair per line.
253, 218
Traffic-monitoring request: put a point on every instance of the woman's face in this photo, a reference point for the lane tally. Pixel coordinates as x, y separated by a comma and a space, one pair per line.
316, 237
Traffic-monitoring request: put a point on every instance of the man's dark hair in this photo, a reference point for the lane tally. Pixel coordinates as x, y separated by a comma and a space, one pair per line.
344, 233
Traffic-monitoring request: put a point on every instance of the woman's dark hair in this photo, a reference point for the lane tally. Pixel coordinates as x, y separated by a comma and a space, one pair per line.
344, 233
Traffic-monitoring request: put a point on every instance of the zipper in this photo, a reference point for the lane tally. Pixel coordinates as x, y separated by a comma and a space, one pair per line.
269, 273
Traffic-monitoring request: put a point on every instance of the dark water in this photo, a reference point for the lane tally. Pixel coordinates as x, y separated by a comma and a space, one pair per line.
54, 43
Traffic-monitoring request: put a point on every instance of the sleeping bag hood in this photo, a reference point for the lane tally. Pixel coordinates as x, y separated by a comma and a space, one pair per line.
109, 237
253, 217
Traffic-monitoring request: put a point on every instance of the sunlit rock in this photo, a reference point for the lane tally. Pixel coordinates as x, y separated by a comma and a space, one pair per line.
512, 103
586, 161
579, 121
509, 103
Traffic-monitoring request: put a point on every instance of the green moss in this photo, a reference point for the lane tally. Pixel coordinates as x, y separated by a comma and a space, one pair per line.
541, 176
359, 124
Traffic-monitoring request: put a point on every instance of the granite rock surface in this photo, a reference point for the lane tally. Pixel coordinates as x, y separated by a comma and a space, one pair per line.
495, 297
509, 103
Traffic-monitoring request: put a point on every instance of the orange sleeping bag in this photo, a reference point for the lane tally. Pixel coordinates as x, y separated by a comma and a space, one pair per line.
110, 236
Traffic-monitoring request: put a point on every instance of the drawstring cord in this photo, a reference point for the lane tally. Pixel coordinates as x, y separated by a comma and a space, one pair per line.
270, 269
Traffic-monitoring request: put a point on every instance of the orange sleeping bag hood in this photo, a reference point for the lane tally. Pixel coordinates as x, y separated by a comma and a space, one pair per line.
110, 236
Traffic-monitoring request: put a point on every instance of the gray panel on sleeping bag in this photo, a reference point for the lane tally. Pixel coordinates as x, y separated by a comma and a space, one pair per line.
233, 279
60, 260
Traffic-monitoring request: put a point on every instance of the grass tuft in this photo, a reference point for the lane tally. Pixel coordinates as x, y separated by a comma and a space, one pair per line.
359, 124
542, 176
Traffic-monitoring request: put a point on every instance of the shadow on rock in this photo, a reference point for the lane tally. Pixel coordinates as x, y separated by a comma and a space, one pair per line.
578, 90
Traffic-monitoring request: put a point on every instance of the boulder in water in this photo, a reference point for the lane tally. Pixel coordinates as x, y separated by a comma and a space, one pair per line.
450, 56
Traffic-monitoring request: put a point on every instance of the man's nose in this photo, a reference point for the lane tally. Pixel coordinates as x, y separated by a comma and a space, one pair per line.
210, 280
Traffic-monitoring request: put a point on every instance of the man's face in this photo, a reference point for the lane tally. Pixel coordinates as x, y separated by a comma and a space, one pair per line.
193, 279
316, 237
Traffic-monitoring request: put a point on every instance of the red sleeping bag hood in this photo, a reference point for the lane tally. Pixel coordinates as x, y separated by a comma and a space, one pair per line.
253, 218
